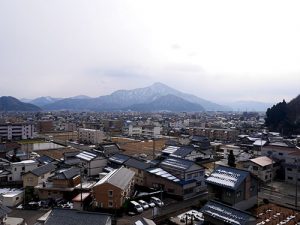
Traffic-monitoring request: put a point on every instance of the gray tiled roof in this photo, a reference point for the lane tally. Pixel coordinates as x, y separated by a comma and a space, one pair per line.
43, 169
183, 151
119, 178
71, 217
134, 163
67, 174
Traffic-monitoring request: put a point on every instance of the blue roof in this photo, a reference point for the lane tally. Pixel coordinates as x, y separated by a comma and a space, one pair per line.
228, 177
226, 213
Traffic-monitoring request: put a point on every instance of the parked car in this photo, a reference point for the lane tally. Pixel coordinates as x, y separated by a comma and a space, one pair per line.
144, 204
136, 206
157, 201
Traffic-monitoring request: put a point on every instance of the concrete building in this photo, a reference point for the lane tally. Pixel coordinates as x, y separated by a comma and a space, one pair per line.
16, 131
292, 168
90, 136
149, 130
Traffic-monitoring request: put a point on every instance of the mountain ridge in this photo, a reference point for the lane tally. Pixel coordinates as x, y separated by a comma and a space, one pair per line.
9, 103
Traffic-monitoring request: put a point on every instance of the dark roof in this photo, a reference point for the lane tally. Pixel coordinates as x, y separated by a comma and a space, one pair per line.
67, 173
45, 159
71, 217
137, 164
4, 210
199, 138
183, 151
176, 163
119, 158
228, 177
39, 171
226, 213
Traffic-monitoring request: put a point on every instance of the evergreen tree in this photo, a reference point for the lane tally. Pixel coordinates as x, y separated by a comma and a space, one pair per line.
231, 159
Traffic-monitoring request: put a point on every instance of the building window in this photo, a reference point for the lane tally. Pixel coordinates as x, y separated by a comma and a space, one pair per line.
228, 194
23, 168
110, 203
255, 168
289, 169
110, 193
189, 176
238, 194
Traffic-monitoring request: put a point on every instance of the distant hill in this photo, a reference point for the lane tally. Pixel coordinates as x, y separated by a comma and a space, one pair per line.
252, 106
167, 103
8, 103
284, 117
41, 101
122, 99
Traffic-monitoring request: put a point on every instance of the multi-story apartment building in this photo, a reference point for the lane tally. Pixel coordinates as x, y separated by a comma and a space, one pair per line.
227, 135
90, 135
114, 189
147, 130
16, 131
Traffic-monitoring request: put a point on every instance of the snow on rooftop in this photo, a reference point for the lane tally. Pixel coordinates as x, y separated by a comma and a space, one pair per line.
223, 177
162, 173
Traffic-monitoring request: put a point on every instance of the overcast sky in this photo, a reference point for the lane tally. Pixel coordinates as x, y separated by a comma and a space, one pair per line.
218, 50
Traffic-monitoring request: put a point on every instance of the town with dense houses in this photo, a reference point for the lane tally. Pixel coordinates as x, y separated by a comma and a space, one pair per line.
146, 168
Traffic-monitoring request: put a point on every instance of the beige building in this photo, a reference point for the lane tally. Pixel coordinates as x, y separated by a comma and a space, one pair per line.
38, 175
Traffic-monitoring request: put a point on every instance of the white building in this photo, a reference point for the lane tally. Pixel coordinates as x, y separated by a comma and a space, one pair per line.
11, 197
150, 131
90, 136
17, 169
16, 131
91, 163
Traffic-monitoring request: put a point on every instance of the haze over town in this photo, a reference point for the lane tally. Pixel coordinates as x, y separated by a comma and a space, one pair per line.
221, 51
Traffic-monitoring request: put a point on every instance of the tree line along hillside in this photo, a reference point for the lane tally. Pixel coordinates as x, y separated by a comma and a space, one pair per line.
284, 117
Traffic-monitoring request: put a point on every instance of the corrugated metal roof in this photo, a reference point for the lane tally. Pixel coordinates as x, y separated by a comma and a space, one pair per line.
227, 177
226, 213
162, 173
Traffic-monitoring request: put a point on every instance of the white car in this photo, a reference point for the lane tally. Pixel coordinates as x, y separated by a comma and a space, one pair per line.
144, 204
136, 206
157, 201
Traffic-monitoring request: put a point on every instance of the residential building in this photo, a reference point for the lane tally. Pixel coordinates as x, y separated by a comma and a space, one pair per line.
185, 170
61, 185
11, 197
114, 189
146, 130
91, 163
234, 187
292, 168
45, 126
263, 167
16, 131
139, 168
38, 175
17, 169
220, 214
91, 136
